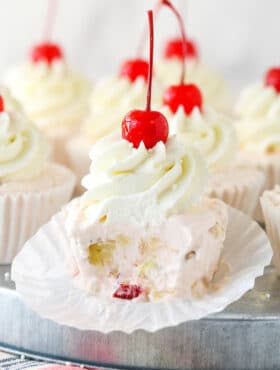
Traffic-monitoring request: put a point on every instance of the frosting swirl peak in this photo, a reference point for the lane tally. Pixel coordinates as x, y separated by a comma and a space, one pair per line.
259, 101
23, 149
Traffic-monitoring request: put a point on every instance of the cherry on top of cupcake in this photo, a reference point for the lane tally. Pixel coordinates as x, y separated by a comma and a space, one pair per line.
146, 125
187, 95
175, 48
134, 68
2, 105
47, 51
272, 78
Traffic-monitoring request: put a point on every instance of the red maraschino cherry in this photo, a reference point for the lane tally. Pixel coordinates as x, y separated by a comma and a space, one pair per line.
126, 291
46, 52
146, 125
175, 48
272, 78
2, 107
186, 95
134, 68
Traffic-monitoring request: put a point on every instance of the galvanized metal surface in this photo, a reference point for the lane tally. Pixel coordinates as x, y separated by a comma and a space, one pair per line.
245, 336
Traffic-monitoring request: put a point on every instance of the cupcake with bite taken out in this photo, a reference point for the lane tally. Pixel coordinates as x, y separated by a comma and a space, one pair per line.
143, 231
53, 95
258, 127
214, 135
32, 189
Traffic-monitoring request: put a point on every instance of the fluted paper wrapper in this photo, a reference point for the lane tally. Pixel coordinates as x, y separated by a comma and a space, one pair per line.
271, 213
42, 277
22, 214
271, 169
244, 195
270, 166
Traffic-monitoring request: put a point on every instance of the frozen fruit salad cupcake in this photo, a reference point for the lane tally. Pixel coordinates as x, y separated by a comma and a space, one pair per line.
110, 100
52, 94
31, 188
214, 135
258, 128
142, 230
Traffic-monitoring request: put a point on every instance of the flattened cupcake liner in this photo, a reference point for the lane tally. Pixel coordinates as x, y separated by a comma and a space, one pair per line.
271, 213
43, 274
22, 214
243, 195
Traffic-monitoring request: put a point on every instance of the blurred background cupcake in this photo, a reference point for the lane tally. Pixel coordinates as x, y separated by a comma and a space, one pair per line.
258, 127
51, 93
32, 188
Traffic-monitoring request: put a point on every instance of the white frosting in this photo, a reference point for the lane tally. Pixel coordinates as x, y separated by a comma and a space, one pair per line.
259, 101
260, 136
53, 95
214, 90
150, 183
258, 129
112, 98
209, 131
10, 103
23, 149
176, 259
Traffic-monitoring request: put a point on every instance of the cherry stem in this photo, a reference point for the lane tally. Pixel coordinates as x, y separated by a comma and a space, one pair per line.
151, 60
183, 34
143, 35
50, 18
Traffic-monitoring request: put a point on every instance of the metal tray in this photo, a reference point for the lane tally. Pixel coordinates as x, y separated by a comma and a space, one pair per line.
245, 336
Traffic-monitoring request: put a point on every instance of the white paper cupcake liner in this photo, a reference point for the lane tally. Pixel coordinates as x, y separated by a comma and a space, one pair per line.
271, 170
42, 278
243, 195
271, 213
22, 214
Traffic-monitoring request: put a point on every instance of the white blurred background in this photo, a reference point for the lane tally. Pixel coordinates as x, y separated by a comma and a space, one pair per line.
240, 38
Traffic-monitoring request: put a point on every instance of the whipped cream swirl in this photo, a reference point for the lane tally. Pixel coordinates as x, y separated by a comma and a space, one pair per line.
52, 95
213, 87
259, 101
212, 133
23, 149
139, 184
112, 98
258, 129
11, 104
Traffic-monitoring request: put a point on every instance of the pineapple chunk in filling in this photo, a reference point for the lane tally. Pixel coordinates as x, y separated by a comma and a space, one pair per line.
100, 253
